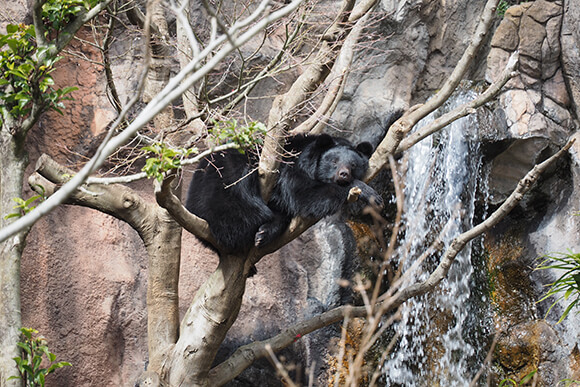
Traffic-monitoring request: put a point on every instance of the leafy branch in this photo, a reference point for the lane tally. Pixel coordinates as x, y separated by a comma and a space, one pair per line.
242, 135
166, 159
23, 207
29, 364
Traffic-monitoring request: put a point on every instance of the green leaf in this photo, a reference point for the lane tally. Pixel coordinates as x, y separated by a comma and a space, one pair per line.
28, 369
67, 90
566, 312
505, 382
11, 28
577, 280
25, 347
528, 377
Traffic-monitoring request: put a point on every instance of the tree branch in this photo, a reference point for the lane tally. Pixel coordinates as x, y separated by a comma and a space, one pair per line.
159, 232
286, 106
247, 354
463, 110
404, 124
192, 223
524, 185
143, 175
338, 75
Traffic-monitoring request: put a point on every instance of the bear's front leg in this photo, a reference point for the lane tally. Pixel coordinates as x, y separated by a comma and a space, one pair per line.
367, 195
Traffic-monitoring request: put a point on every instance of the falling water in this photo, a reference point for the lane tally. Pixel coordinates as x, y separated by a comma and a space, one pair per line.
441, 181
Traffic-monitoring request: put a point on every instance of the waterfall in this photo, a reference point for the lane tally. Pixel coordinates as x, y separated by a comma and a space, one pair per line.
441, 180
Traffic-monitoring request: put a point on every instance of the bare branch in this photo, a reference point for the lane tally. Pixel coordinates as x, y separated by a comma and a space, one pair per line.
160, 234
404, 124
116, 200
524, 185
338, 75
143, 175
487, 361
247, 354
81, 18
38, 24
463, 110
192, 223
280, 368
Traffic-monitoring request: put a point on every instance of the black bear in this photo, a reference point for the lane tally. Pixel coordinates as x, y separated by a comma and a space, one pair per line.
316, 175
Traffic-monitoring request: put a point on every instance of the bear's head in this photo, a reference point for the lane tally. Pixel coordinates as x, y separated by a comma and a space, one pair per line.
338, 161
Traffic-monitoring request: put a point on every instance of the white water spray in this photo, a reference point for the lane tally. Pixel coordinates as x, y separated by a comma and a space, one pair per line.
440, 191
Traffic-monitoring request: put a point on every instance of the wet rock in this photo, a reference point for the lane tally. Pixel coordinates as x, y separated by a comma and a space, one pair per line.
512, 164
528, 347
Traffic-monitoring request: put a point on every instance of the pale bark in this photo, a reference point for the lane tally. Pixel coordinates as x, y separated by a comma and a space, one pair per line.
12, 165
463, 110
208, 59
206, 322
160, 62
285, 107
183, 356
188, 48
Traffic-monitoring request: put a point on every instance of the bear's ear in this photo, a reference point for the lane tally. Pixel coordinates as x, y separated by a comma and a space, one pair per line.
365, 148
324, 141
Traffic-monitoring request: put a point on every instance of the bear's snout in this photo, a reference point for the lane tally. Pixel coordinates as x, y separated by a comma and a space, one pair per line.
343, 176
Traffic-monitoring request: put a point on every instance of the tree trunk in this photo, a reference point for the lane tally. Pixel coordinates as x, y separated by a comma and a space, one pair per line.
163, 243
208, 319
12, 165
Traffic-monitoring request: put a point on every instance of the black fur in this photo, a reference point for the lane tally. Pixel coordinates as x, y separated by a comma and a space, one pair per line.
315, 177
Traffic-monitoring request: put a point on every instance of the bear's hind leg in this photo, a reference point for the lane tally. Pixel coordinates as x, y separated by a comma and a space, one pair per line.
271, 230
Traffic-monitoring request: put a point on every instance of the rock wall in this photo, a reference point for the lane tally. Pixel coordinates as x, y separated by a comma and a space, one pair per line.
84, 273
537, 112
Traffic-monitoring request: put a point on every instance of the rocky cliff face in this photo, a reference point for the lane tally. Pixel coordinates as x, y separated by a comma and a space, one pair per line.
83, 274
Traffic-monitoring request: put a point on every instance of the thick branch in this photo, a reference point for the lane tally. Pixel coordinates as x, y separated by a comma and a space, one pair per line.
192, 223
189, 75
463, 110
338, 75
285, 107
247, 354
206, 323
